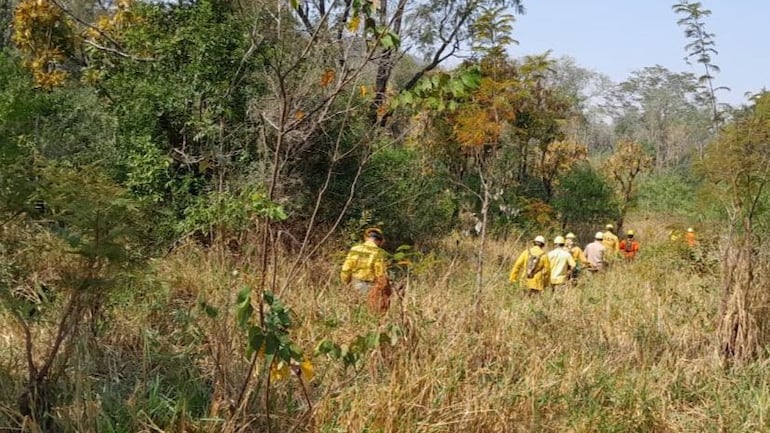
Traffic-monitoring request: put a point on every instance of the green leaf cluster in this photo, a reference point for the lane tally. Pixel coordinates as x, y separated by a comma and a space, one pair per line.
270, 338
353, 354
440, 91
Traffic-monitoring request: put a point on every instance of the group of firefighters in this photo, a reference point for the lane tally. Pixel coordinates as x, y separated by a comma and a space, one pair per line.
366, 269
560, 266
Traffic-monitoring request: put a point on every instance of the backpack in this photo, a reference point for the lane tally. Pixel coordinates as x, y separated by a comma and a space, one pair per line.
532, 262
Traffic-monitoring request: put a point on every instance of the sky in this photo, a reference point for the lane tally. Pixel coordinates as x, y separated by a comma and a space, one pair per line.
616, 37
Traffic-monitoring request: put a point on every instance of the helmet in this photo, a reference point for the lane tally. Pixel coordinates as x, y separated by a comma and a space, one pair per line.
609, 227
558, 240
570, 235
630, 233
599, 235
374, 232
690, 230
540, 239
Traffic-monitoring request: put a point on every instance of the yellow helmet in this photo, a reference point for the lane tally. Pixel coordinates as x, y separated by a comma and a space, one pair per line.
690, 230
540, 239
630, 233
374, 232
571, 235
558, 240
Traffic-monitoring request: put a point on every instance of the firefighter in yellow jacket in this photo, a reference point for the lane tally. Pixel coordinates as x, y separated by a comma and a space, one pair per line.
611, 241
533, 266
366, 269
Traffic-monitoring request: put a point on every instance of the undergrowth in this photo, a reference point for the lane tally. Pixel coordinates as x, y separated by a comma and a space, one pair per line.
630, 350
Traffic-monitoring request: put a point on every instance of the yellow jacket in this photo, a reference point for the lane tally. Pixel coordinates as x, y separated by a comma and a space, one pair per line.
365, 262
578, 255
611, 242
542, 272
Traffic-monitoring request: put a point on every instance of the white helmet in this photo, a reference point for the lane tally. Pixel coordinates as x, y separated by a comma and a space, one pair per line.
599, 235
570, 235
540, 239
558, 240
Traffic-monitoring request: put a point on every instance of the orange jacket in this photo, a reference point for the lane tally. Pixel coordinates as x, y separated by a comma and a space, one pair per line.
629, 248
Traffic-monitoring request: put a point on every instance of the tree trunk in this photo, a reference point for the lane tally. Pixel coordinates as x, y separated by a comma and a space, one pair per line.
482, 240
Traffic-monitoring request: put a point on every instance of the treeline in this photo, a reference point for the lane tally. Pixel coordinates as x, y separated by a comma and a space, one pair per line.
202, 111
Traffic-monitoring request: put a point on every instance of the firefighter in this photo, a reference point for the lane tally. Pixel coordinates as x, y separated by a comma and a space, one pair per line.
533, 266
610, 241
562, 264
596, 253
629, 246
366, 270
690, 237
577, 254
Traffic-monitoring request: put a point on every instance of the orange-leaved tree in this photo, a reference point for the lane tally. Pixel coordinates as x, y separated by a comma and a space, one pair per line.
623, 168
558, 158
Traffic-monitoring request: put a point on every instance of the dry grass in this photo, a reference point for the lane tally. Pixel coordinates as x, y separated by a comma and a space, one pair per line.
631, 350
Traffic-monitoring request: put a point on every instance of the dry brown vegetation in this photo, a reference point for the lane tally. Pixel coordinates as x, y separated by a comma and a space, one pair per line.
634, 349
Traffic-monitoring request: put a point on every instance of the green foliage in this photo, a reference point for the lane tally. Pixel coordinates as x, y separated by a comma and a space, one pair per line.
411, 201
228, 212
668, 193
491, 32
440, 91
736, 166
353, 354
584, 197
268, 335
701, 47
181, 115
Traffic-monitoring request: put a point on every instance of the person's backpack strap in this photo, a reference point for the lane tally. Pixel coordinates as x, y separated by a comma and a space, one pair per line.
532, 262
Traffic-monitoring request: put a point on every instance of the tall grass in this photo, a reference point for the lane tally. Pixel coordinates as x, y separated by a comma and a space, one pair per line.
632, 350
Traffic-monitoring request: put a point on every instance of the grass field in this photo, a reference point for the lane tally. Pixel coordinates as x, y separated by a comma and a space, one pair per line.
630, 350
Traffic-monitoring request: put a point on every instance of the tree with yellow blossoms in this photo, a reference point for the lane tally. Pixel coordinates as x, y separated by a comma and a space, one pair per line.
624, 168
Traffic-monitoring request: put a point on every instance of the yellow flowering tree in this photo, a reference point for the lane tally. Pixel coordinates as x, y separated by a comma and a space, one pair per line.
45, 37
623, 168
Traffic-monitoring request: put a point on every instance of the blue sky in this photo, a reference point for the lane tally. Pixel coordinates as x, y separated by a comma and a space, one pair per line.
615, 37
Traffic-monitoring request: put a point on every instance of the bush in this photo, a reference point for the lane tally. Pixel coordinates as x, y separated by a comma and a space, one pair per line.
584, 198
412, 202
668, 193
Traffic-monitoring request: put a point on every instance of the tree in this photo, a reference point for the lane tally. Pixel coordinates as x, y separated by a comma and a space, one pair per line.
701, 49
623, 168
736, 164
663, 110
558, 159
584, 198
586, 92
491, 32
431, 30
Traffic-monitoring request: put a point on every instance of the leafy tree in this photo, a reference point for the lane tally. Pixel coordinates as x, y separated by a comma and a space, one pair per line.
558, 158
586, 92
584, 198
491, 32
663, 110
46, 36
68, 254
413, 202
736, 165
624, 168
435, 29
701, 48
